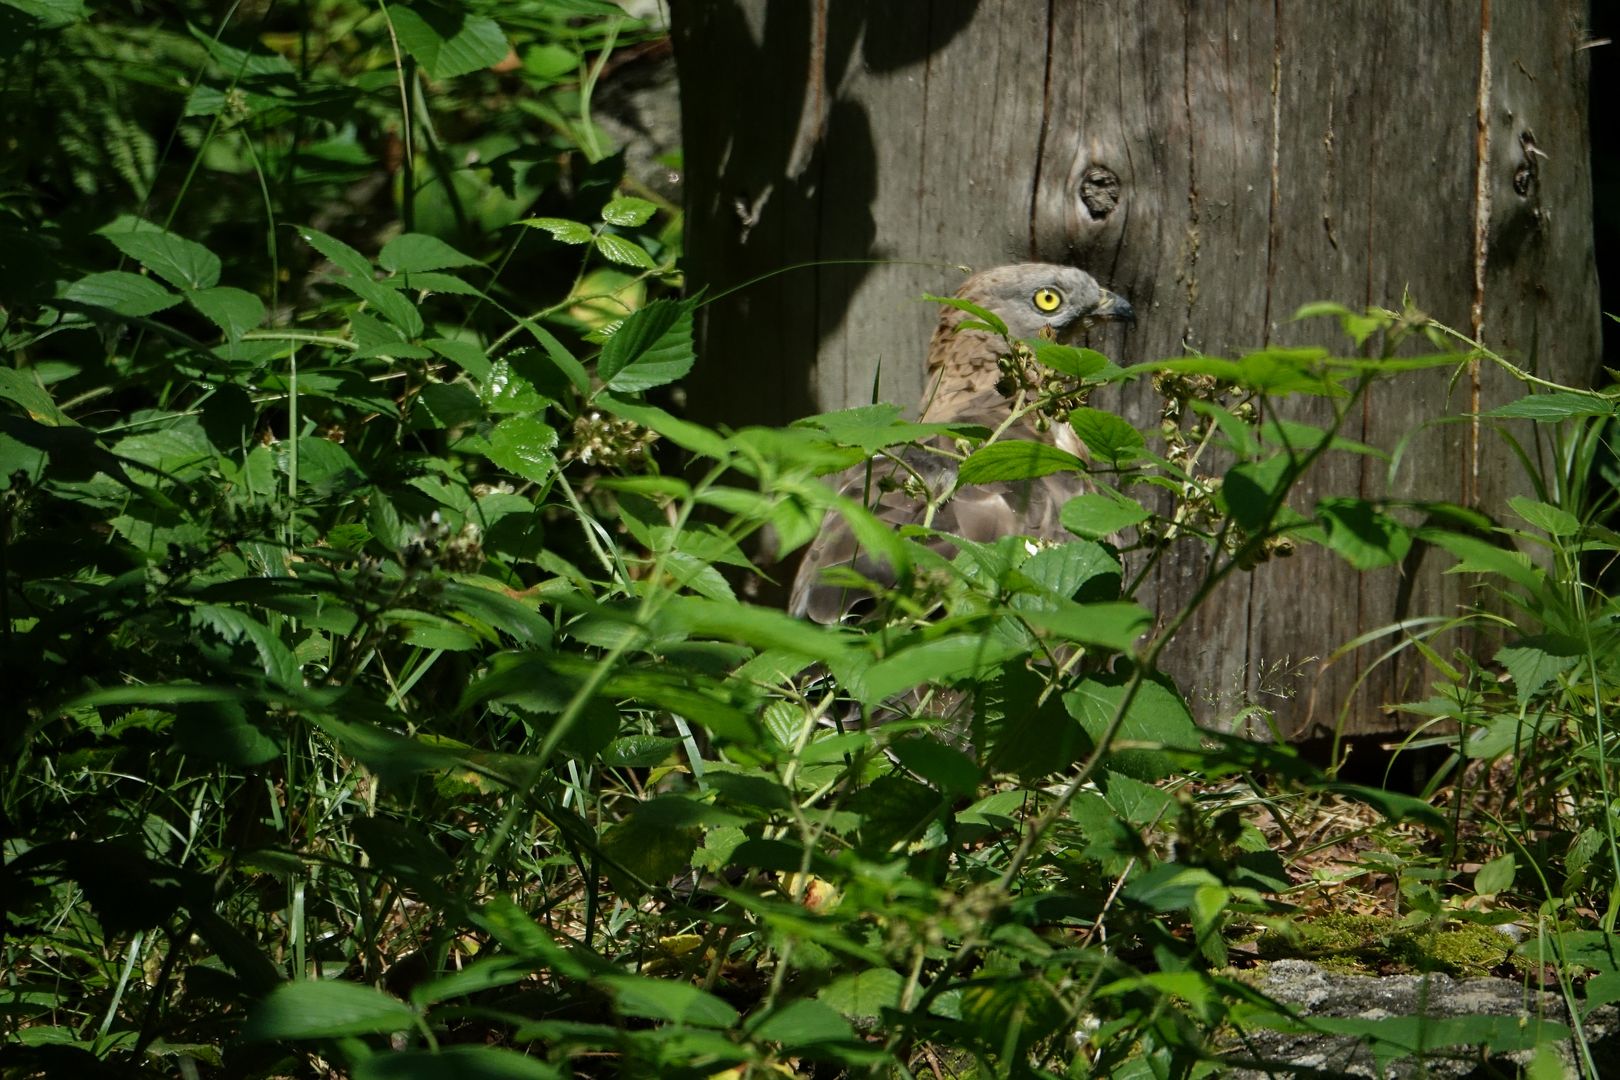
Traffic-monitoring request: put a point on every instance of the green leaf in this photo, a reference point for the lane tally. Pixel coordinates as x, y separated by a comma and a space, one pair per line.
221, 731
875, 427
522, 446
455, 1063
506, 389
121, 292
360, 279
1077, 363
1080, 570
864, 996
763, 628
234, 311
1550, 519
1553, 407
639, 751
325, 1010
489, 603
1479, 556
628, 212
561, 229
469, 356
448, 42
1157, 716
683, 433
1496, 876
1534, 662
1362, 534
183, 263
651, 847
1396, 807
1136, 802
1169, 886
50, 14
1114, 626
1253, 492
411, 253
447, 405
947, 768
624, 252
24, 388
989, 318
1016, 459
1106, 435
661, 999
950, 659
653, 347
1095, 516
234, 625
800, 1023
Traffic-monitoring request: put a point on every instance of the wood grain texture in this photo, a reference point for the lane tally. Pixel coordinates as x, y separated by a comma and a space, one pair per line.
1218, 163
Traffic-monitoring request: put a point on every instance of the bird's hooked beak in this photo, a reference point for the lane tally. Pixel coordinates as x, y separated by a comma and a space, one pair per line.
1113, 306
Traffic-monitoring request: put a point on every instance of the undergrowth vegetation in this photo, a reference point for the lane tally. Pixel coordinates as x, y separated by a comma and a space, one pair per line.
380, 702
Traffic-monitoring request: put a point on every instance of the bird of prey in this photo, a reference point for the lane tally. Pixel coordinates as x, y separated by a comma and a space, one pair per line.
966, 385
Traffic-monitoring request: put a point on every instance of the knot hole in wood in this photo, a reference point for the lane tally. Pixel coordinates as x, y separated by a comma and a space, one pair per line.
1099, 191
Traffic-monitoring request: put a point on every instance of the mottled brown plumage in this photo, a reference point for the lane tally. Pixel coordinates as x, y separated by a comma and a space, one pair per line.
1033, 299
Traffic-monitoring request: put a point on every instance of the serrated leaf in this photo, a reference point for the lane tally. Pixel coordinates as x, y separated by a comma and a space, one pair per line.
624, 252
1534, 662
1095, 516
1157, 715
183, 263
1362, 534
1075, 362
469, 356
234, 311
448, 42
874, 427
121, 292
233, 625
864, 995
652, 348
1550, 519
628, 212
522, 445
561, 229
1107, 436
411, 253
359, 279
1016, 459
1114, 625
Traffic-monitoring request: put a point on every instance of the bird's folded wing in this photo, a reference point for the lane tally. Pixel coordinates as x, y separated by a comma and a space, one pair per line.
898, 490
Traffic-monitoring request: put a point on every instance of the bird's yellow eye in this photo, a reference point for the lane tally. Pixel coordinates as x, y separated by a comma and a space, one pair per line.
1047, 299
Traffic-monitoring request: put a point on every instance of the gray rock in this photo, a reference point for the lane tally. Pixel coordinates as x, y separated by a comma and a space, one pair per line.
1389, 1009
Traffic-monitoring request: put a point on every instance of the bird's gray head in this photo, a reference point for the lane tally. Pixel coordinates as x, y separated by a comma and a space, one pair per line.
1031, 297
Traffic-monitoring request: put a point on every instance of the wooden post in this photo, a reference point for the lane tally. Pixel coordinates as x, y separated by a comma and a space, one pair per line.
1218, 163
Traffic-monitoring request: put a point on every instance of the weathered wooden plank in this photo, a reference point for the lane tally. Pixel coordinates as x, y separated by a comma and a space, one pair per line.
1221, 164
